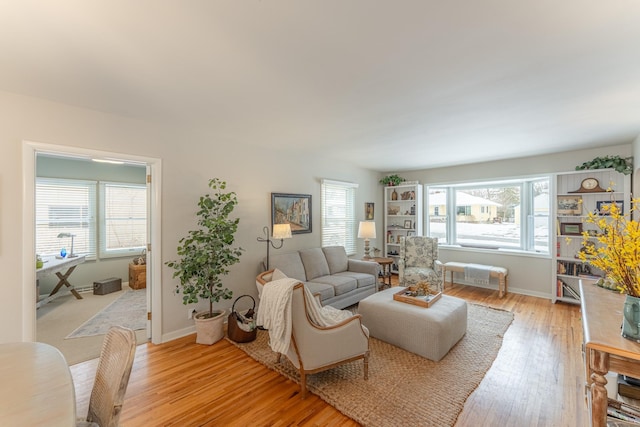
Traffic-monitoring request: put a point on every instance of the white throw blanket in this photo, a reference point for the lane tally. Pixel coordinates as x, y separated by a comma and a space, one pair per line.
477, 273
274, 312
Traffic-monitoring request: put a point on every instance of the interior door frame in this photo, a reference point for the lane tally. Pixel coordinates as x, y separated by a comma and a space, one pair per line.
154, 260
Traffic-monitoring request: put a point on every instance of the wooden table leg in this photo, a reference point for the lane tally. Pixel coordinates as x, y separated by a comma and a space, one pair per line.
63, 281
599, 362
386, 273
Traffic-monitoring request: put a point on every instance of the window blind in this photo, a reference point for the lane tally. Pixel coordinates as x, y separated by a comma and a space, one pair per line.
65, 206
124, 214
338, 214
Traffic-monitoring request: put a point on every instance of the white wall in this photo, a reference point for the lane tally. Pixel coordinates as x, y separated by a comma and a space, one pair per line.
190, 158
530, 275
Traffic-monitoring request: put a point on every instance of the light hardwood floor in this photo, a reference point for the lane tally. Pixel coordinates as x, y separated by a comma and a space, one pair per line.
536, 380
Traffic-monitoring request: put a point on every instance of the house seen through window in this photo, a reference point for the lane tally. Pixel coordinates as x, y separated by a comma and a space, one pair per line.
507, 215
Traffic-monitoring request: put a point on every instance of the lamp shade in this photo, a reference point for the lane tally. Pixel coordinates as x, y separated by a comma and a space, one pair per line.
367, 230
281, 231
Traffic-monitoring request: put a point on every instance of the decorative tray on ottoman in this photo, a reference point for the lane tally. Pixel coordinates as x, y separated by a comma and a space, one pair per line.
409, 297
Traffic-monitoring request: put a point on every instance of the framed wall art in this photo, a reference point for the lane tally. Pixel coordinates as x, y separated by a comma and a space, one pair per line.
292, 209
569, 205
368, 211
571, 228
604, 207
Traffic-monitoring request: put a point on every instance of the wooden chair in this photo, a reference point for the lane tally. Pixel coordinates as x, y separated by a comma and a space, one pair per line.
314, 348
112, 377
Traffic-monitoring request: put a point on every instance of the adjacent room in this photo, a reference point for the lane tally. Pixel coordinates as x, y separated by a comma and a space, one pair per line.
319, 213
91, 221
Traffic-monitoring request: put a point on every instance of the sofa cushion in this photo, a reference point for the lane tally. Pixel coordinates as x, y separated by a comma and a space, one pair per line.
341, 284
325, 290
290, 264
363, 279
315, 264
336, 259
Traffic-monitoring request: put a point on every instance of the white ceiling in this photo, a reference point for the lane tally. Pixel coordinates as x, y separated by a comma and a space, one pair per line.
393, 85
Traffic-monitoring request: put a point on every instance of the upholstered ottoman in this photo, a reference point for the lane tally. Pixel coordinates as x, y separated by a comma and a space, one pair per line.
429, 332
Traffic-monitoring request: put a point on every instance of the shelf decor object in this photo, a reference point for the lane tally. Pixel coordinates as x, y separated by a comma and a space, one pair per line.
569, 205
571, 228
589, 185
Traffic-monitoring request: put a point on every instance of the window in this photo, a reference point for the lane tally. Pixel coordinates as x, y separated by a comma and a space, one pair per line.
71, 206
124, 219
338, 214
510, 214
65, 206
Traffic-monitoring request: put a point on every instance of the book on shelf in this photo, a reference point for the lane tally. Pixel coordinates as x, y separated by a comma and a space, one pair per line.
623, 411
572, 268
569, 291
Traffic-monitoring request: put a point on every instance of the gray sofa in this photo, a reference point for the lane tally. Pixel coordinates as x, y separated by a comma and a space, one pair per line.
328, 271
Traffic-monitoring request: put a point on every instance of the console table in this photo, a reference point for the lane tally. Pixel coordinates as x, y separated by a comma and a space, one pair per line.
604, 347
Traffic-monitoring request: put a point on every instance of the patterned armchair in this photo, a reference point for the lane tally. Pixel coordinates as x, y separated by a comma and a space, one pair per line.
419, 261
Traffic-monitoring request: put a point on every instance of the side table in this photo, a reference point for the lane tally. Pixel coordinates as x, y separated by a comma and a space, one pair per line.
385, 264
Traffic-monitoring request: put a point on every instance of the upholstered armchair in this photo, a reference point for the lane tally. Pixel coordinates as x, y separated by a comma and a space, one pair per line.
316, 348
419, 261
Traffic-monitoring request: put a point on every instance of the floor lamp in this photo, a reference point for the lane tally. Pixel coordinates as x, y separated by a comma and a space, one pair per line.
366, 231
280, 231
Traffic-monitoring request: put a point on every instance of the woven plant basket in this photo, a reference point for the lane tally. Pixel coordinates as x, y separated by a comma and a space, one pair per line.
209, 330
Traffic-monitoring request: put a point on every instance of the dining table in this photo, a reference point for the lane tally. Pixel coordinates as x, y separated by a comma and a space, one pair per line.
36, 388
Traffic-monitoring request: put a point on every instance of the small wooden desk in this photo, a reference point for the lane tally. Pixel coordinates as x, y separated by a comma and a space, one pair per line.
55, 265
385, 264
605, 348
37, 387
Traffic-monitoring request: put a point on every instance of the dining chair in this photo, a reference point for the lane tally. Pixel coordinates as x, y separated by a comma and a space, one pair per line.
112, 377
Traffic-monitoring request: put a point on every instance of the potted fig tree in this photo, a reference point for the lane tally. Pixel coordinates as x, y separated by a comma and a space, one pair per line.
206, 254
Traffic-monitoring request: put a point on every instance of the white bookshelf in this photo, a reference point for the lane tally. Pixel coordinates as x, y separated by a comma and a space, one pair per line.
402, 217
568, 270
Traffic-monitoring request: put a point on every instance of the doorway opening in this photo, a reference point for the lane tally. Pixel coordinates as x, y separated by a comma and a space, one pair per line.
103, 256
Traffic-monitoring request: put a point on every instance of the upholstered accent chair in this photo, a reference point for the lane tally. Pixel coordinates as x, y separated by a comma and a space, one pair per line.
314, 348
419, 261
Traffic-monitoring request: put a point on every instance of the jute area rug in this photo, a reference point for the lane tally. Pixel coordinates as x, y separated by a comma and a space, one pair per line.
403, 389
129, 310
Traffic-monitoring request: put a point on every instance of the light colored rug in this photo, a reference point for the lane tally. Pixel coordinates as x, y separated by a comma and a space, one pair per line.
129, 310
403, 388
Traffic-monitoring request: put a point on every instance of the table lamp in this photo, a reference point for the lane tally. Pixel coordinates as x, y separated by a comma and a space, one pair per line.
366, 231
61, 235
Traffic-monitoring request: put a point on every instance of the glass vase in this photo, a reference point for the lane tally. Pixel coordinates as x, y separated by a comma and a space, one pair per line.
631, 318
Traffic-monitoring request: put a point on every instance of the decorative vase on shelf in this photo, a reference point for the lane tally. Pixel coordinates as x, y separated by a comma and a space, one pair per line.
631, 318
394, 195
